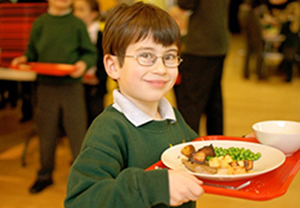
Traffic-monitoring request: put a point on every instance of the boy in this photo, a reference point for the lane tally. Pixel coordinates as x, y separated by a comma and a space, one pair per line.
95, 77
59, 37
141, 45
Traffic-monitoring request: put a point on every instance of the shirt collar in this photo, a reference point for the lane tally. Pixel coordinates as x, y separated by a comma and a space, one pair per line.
136, 116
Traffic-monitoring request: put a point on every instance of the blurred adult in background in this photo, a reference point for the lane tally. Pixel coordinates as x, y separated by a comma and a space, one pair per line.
251, 14
206, 46
234, 25
95, 78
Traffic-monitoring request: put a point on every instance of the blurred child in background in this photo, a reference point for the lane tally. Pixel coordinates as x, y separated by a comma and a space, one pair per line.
59, 37
95, 78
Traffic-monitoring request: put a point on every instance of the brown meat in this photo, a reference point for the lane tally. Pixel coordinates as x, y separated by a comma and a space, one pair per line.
198, 168
201, 154
208, 150
198, 157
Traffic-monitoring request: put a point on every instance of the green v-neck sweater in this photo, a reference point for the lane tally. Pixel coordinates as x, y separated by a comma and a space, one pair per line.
110, 170
60, 39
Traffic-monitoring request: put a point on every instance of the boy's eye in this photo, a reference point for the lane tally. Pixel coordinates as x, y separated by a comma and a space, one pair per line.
147, 56
170, 57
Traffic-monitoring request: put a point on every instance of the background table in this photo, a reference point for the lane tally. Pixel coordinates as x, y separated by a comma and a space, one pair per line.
16, 75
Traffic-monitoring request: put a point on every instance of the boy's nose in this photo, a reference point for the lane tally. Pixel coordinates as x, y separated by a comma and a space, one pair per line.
159, 66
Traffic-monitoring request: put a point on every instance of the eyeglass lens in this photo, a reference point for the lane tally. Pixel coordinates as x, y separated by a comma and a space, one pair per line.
168, 60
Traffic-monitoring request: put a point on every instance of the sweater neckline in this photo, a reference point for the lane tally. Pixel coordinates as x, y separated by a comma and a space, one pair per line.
66, 13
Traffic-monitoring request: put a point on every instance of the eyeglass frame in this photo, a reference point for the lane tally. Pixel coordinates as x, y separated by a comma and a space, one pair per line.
179, 59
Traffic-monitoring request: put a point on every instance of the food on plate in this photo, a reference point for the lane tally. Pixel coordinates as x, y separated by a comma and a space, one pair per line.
199, 168
237, 153
220, 162
247, 164
188, 150
200, 155
212, 160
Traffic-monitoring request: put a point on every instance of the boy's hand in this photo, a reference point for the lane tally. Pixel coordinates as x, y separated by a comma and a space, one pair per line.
19, 60
183, 187
251, 135
80, 69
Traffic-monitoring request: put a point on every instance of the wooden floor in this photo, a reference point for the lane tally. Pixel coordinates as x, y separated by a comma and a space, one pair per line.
245, 102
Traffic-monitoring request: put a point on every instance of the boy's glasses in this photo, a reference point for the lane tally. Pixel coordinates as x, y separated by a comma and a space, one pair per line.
149, 59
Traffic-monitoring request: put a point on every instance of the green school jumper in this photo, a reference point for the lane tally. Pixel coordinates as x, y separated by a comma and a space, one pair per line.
110, 170
59, 39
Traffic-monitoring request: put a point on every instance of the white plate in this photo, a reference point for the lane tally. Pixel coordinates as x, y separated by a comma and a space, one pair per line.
270, 159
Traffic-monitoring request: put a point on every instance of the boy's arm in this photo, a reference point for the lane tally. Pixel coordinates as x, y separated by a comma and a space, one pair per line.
19, 60
100, 176
80, 67
97, 180
184, 187
88, 54
31, 52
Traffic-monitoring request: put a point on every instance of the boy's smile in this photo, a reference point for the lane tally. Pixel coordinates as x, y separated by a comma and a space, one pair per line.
146, 85
157, 83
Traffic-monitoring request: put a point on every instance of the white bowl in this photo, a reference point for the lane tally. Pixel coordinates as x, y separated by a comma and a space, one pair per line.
283, 135
273, 58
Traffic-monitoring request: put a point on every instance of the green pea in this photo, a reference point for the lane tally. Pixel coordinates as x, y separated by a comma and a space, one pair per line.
237, 153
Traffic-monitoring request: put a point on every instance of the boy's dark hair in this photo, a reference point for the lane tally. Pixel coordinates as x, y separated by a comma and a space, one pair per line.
130, 24
94, 6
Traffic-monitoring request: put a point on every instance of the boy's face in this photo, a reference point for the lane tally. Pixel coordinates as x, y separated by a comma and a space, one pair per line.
60, 5
82, 10
145, 84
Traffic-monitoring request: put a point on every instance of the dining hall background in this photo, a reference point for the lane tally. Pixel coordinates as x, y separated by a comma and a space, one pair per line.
246, 100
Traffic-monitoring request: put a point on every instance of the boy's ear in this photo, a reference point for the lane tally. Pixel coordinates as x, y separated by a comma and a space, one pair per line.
111, 65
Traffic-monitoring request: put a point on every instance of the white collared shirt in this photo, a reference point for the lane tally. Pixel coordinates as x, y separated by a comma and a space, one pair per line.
136, 116
93, 30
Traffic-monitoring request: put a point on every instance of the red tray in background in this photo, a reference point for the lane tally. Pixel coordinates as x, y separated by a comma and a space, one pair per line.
263, 187
46, 68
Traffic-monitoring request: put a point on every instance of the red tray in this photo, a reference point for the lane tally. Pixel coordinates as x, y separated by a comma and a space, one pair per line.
46, 68
263, 187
